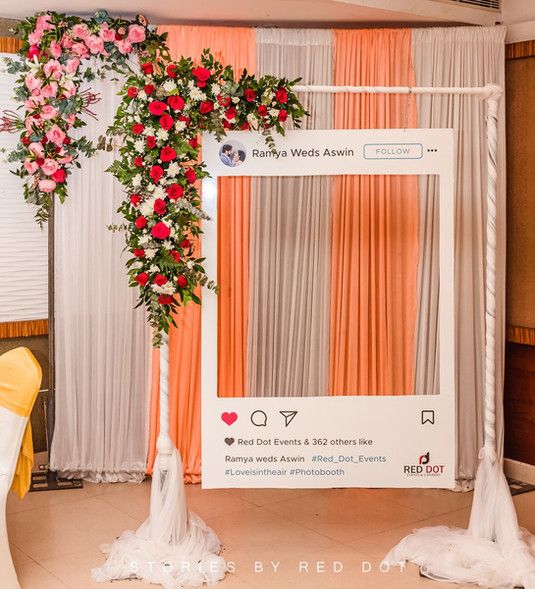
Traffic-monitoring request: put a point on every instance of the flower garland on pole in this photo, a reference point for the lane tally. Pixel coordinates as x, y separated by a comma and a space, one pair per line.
49, 88
164, 109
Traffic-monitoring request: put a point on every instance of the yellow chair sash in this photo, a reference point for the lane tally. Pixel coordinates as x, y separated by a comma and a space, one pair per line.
20, 379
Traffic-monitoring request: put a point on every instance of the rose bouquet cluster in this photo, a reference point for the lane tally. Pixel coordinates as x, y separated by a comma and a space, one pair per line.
49, 88
165, 107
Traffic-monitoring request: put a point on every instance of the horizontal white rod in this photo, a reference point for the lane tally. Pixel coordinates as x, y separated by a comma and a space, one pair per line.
488, 91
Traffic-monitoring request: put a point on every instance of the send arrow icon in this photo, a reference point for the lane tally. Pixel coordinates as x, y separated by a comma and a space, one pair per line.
288, 416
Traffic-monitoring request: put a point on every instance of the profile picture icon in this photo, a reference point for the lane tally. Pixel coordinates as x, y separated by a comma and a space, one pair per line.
232, 153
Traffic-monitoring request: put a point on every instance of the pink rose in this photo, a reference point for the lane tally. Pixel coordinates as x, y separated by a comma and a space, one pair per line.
95, 44
49, 90
47, 185
55, 49
30, 166
69, 89
136, 34
48, 112
32, 82
72, 65
52, 69
81, 31
124, 46
55, 135
43, 23
65, 160
80, 49
66, 42
70, 118
35, 37
49, 166
37, 149
106, 33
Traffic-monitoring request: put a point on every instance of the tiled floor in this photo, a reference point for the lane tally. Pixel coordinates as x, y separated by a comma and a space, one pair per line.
55, 536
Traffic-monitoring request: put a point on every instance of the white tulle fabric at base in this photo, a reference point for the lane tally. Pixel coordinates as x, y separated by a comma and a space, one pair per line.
468, 556
173, 547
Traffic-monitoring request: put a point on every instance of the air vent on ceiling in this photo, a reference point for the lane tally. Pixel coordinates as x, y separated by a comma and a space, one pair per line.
489, 4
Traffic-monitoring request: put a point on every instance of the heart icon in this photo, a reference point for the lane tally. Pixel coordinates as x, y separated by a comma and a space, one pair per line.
229, 418
229, 441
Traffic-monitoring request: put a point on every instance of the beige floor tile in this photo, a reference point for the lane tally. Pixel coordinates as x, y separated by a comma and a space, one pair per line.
131, 499
262, 497
345, 514
38, 500
33, 576
66, 528
429, 501
525, 509
208, 503
18, 556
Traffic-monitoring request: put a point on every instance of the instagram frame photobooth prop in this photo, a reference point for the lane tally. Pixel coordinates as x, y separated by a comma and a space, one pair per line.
341, 441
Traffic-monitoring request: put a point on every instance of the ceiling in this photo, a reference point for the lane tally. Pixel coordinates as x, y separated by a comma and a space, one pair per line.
316, 12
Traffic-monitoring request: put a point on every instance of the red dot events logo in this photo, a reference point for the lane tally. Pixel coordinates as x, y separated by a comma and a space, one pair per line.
424, 467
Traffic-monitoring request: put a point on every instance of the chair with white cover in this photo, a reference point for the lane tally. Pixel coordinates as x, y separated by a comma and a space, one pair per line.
20, 378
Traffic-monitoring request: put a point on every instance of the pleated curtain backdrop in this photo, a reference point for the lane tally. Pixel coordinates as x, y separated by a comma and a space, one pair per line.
464, 56
375, 228
288, 341
102, 341
233, 46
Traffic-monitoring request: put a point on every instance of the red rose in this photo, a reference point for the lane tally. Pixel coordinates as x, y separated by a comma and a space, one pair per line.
206, 107
249, 95
160, 231
283, 115
137, 129
67, 141
223, 101
139, 252
26, 140
142, 278
157, 108
160, 279
201, 84
194, 143
33, 51
138, 161
40, 161
171, 70
176, 102
147, 68
190, 175
167, 154
281, 95
165, 299
226, 124
156, 173
59, 175
185, 244
245, 126
184, 119
174, 191
141, 222
151, 141
175, 255
118, 36
135, 199
201, 73
159, 206
231, 113
182, 281
149, 89
262, 110
132, 92
166, 122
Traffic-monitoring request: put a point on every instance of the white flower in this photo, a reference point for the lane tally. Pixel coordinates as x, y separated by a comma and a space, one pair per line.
149, 131
150, 187
139, 145
150, 252
136, 180
273, 112
216, 89
251, 118
141, 95
162, 134
154, 268
189, 264
173, 169
180, 126
159, 192
166, 288
145, 240
196, 94
169, 86
147, 207
235, 99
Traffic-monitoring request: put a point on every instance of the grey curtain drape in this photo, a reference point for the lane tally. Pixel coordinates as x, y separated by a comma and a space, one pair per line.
290, 239
466, 56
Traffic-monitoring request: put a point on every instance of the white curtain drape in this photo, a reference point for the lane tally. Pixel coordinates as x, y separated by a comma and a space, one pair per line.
290, 237
464, 56
102, 342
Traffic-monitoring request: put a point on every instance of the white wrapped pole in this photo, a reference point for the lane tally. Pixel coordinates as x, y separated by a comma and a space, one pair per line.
173, 547
493, 552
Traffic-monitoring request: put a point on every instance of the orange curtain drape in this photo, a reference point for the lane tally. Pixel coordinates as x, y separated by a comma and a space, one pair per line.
232, 46
375, 228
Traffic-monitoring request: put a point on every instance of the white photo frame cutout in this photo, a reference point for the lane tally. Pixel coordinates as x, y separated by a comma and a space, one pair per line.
349, 441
